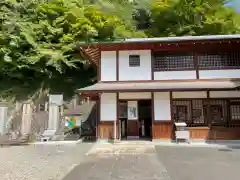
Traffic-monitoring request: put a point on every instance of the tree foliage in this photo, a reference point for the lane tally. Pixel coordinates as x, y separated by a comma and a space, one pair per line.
38, 43
192, 17
38, 38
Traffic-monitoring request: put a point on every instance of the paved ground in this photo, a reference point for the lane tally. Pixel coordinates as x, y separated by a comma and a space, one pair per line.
196, 163
120, 163
40, 162
146, 162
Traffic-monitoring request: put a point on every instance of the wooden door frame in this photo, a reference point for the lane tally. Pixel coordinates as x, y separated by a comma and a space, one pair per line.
127, 124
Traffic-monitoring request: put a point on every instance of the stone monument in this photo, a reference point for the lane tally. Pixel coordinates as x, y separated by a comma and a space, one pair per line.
55, 102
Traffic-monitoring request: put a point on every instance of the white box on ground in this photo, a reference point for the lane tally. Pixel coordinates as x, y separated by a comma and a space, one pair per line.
182, 135
181, 131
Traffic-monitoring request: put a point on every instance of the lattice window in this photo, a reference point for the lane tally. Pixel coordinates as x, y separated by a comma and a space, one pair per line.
235, 110
218, 111
181, 110
134, 60
198, 112
219, 60
171, 62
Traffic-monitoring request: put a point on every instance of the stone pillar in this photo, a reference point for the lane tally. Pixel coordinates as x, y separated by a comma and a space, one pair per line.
46, 106
26, 119
3, 119
55, 102
74, 102
54, 117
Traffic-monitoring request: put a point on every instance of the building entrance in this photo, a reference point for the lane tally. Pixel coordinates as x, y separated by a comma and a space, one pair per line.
140, 128
145, 118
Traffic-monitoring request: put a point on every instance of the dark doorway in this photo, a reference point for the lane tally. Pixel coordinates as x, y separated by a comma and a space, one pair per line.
145, 118
123, 119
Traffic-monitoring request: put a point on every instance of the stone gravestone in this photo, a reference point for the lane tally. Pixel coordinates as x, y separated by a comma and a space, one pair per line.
55, 101
26, 119
3, 119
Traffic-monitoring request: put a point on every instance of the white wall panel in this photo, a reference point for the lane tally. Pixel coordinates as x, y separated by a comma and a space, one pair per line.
135, 73
224, 94
190, 94
108, 66
108, 107
174, 75
162, 107
137, 95
211, 74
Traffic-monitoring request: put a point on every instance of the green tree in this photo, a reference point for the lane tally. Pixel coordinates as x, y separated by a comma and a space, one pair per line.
38, 39
38, 44
192, 17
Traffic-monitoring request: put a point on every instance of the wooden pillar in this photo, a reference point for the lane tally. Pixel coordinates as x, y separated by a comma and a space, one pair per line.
196, 65
209, 121
153, 112
118, 121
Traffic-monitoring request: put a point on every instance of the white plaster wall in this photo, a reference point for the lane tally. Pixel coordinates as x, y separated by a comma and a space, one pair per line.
224, 94
170, 75
108, 107
162, 106
210, 74
135, 73
190, 94
108, 66
137, 95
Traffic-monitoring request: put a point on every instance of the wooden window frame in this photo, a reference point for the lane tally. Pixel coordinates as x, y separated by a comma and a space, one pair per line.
185, 109
190, 122
199, 61
222, 115
206, 105
174, 61
233, 121
134, 60
210, 61
204, 123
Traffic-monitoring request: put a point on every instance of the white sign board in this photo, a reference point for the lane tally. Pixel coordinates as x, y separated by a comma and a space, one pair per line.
132, 110
79, 121
56, 99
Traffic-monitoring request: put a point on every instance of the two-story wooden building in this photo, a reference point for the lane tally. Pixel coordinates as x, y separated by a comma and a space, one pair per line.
145, 85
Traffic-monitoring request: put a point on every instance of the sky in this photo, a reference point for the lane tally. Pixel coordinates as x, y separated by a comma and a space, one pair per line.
235, 4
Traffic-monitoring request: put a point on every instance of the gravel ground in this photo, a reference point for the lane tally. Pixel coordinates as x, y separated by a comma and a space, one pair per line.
40, 162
